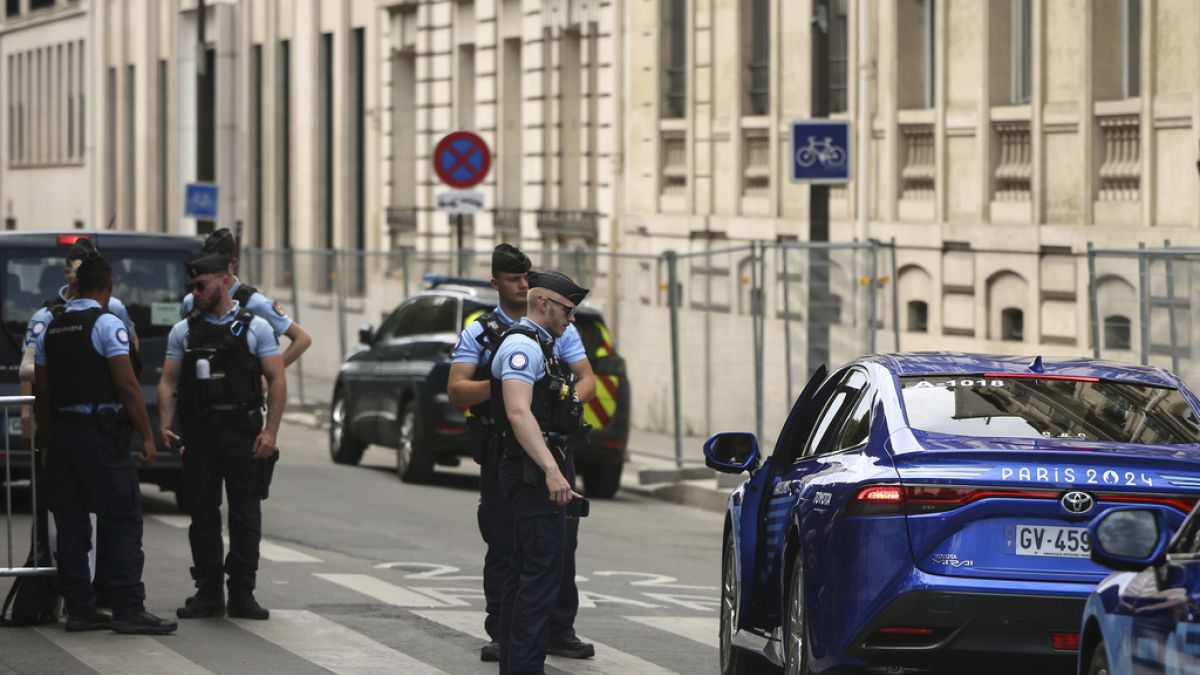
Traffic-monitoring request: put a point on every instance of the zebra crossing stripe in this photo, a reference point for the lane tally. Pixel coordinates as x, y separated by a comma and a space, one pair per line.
381, 590
606, 661
700, 629
331, 645
132, 654
267, 550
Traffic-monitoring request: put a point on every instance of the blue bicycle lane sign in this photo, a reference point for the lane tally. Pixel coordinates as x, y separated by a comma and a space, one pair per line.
820, 151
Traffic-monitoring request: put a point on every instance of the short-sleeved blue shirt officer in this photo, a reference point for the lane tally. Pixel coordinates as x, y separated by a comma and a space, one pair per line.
535, 576
218, 359
257, 304
81, 388
42, 318
569, 347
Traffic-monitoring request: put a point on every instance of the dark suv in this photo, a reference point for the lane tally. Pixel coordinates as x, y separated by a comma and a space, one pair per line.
148, 277
391, 390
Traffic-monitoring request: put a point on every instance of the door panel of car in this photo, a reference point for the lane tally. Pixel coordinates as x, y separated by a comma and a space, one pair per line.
378, 375
408, 355
752, 533
1164, 608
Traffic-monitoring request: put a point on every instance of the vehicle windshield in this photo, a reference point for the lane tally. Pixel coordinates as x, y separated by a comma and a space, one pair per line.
1083, 409
150, 283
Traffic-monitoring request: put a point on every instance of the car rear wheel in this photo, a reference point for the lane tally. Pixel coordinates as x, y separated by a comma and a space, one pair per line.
795, 629
1098, 665
342, 447
601, 481
412, 464
734, 661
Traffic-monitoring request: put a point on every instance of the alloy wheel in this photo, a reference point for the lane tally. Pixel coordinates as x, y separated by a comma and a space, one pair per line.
794, 631
404, 445
728, 603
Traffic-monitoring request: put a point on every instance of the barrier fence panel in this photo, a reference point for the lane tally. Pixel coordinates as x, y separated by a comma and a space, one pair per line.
26, 459
1144, 305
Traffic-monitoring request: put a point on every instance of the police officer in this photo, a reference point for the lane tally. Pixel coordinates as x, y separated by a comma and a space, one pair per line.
469, 385
536, 412
85, 379
216, 360
222, 241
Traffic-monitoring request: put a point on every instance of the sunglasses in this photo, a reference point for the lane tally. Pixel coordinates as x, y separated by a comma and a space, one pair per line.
569, 309
197, 286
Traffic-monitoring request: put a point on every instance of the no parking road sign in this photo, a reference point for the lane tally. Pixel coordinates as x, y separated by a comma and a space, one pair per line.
462, 159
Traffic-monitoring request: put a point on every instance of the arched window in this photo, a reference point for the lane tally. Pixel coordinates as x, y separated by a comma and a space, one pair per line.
918, 316
1012, 324
1117, 332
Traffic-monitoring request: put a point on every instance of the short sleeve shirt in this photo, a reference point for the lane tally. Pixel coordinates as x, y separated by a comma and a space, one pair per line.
110, 337
259, 305
569, 347
41, 320
260, 338
520, 357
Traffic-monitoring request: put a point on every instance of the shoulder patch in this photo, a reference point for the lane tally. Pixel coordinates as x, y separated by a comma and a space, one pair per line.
123, 336
278, 308
518, 361
37, 328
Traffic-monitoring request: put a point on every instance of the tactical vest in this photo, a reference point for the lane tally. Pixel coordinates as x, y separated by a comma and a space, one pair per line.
243, 293
79, 375
555, 406
58, 306
489, 340
235, 373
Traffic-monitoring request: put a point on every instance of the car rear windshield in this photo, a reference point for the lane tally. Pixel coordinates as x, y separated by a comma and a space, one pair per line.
150, 283
1023, 407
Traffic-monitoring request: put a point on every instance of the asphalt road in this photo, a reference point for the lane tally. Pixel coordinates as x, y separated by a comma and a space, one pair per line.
364, 574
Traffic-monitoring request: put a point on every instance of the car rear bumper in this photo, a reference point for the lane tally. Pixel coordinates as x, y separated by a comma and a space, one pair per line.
971, 626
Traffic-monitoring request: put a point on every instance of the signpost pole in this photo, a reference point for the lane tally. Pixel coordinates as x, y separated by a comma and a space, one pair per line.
818, 207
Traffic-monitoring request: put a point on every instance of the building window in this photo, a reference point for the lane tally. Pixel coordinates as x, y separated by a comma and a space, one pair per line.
929, 52
35, 5
1022, 51
1117, 332
256, 140
285, 144
674, 58
839, 57
918, 316
325, 153
129, 222
1131, 42
164, 194
915, 20
756, 51
466, 86
357, 163
1012, 325
12, 8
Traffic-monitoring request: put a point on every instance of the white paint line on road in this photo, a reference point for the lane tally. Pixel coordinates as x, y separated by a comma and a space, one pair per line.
382, 590
606, 661
331, 645
700, 629
268, 550
133, 654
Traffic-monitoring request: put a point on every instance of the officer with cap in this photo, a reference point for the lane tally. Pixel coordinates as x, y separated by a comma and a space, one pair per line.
216, 360
223, 242
85, 383
537, 412
469, 385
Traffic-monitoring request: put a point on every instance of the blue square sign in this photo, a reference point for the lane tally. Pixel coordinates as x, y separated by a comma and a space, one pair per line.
820, 151
200, 201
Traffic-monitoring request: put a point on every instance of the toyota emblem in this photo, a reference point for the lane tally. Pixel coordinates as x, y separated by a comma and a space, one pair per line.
1077, 503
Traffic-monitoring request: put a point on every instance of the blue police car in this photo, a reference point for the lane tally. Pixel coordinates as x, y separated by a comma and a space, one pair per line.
930, 510
1145, 618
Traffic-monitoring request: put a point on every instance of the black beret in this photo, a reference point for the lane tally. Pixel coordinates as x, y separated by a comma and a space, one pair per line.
81, 249
205, 263
221, 241
509, 259
559, 283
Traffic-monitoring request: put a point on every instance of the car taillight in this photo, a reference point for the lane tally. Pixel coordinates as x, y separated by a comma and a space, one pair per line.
69, 239
1065, 642
877, 500
1043, 376
916, 500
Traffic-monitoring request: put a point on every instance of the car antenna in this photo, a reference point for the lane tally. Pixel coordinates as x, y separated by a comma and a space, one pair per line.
1036, 366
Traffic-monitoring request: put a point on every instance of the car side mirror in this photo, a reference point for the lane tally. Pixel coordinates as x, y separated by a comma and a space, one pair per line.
1129, 539
366, 334
731, 452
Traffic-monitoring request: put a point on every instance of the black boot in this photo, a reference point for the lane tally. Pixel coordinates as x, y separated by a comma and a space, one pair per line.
244, 606
203, 606
96, 620
143, 623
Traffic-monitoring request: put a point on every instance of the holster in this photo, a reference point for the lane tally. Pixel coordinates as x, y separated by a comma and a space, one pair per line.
114, 424
266, 471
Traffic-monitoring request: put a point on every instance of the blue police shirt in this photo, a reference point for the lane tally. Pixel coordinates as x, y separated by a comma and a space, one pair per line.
569, 347
41, 319
520, 358
259, 338
110, 338
259, 305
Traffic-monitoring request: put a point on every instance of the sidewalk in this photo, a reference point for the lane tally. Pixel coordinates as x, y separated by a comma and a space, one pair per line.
650, 467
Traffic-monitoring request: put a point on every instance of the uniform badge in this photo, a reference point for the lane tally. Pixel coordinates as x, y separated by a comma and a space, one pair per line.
37, 328
518, 361
278, 308
122, 336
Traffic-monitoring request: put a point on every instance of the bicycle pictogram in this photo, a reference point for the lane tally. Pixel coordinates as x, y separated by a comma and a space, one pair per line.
823, 151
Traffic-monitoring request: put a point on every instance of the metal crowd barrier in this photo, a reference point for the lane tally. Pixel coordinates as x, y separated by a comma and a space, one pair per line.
8, 402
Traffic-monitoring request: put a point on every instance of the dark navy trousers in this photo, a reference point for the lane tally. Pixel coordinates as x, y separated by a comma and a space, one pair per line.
496, 527
537, 578
217, 452
86, 475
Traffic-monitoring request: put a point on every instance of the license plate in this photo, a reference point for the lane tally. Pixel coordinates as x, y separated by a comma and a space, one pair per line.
1050, 541
14, 425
